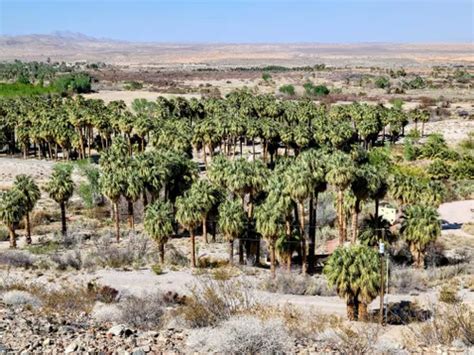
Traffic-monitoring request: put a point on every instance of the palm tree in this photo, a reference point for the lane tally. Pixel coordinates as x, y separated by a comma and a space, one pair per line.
231, 223
340, 174
30, 194
206, 195
112, 186
371, 227
270, 224
188, 214
11, 212
420, 227
132, 192
300, 186
158, 224
354, 271
60, 188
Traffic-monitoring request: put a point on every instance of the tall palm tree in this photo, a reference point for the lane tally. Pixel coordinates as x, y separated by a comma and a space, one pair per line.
30, 194
60, 188
340, 174
113, 186
188, 214
270, 224
158, 224
300, 186
354, 272
11, 212
133, 191
231, 223
206, 195
420, 227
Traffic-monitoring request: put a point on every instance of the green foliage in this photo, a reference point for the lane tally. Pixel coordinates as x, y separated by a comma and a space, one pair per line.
133, 85
79, 83
462, 76
439, 170
417, 83
318, 90
25, 89
382, 82
231, 219
266, 77
60, 186
158, 222
463, 169
410, 151
89, 190
157, 269
287, 89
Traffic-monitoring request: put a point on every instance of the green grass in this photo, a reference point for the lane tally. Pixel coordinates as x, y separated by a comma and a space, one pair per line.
19, 89
46, 248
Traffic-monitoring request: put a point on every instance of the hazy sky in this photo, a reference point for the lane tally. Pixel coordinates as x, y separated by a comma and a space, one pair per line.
246, 20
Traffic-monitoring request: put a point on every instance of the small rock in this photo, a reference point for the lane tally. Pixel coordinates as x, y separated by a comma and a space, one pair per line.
138, 351
47, 342
71, 348
120, 330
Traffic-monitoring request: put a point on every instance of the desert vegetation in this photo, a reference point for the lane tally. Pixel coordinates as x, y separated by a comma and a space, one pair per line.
246, 196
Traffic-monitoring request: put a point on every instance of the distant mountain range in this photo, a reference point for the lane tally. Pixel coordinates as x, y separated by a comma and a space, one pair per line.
72, 47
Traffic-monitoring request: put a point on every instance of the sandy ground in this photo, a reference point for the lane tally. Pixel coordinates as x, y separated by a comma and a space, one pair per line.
129, 96
453, 130
40, 170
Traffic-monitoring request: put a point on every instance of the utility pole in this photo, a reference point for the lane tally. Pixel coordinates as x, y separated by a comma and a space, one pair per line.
382, 284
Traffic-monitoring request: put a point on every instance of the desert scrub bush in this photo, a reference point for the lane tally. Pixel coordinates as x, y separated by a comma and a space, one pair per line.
242, 335
211, 301
351, 339
157, 269
136, 250
144, 312
449, 323
407, 280
225, 273
17, 258
437, 275
449, 294
3, 234
20, 298
47, 247
69, 259
105, 313
286, 283
175, 257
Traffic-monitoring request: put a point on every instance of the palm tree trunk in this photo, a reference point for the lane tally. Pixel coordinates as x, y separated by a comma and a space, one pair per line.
253, 148
193, 249
117, 221
272, 258
131, 217
340, 200
63, 218
351, 314
162, 253
304, 264
288, 263
205, 156
231, 252
312, 233
28, 228
204, 229
362, 312
241, 252
11, 232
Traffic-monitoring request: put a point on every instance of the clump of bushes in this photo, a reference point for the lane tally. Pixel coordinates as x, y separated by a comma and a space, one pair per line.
315, 90
20, 298
286, 283
242, 335
212, 301
287, 90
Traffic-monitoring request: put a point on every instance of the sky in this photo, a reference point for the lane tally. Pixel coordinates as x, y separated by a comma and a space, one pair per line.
245, 21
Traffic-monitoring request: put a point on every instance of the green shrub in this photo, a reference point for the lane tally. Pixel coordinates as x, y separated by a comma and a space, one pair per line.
133, 85
410, 152
439, 170
463, 169
266, 77
287, 89
78, 83
157, 269
318, 90
382, 82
